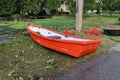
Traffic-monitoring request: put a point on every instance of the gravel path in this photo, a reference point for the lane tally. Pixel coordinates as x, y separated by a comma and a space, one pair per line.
101, 67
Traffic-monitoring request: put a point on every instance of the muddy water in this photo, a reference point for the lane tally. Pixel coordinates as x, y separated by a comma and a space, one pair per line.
101, 67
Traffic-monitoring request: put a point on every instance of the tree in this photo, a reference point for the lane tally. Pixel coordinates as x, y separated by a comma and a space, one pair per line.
117, 5
20, 6
99, 5
111, 5
79, 14
32, 6
7, 7
89, 5
71, 5
52, 5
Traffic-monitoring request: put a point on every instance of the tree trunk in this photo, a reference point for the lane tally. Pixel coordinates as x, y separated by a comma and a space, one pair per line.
79, 14
110, 12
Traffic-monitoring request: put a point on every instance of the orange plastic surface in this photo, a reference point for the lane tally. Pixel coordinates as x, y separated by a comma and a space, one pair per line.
94, 31
69, 33
72, 48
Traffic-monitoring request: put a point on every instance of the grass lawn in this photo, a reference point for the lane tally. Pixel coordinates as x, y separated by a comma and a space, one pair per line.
23, 59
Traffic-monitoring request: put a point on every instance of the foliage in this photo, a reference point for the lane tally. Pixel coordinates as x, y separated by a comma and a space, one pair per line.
7, 7
71, 5
30, 6
20, 6
111, 4
89, 4
52, 5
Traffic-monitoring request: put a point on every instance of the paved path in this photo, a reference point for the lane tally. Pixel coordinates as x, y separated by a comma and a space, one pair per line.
101, 67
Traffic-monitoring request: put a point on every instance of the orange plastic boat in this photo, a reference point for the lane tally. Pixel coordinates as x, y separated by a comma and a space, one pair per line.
71, 45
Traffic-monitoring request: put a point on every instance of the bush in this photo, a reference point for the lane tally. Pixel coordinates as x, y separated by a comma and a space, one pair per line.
16, 17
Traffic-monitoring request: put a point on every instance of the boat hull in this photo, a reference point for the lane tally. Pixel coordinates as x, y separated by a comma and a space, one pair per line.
72, 48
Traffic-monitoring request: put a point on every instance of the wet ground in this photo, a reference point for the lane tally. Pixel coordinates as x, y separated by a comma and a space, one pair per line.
100, 67
10, 31
7, 33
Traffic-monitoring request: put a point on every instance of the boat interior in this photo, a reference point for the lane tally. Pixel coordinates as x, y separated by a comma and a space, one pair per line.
55, 35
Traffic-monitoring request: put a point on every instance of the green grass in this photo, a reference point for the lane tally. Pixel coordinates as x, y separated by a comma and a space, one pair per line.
22, 58
104, 15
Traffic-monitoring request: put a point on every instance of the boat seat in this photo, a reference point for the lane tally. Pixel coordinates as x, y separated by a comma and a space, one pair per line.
55, 37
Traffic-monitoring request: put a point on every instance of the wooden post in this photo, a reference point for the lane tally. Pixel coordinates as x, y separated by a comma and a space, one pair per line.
79, 14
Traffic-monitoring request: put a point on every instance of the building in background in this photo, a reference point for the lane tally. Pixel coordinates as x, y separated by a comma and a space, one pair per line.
64, 8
